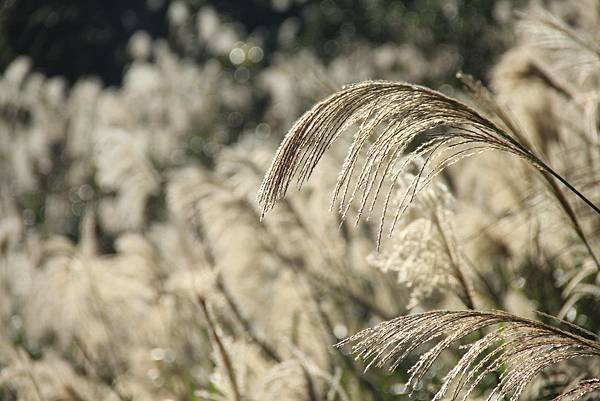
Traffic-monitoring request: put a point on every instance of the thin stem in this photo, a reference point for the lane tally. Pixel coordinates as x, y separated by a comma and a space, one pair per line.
525, 147
233, 305
465, 283
469, 300
569, 210
245, 323
547, 172
221, 348
573, 189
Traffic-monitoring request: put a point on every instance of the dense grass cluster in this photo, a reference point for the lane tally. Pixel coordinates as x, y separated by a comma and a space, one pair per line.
145, 254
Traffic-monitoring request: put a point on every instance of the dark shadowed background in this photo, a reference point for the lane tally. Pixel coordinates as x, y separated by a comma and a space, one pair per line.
75, 38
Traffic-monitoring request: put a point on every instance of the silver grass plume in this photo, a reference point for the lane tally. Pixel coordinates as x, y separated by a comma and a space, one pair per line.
581, 389
519, 348
398, 122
